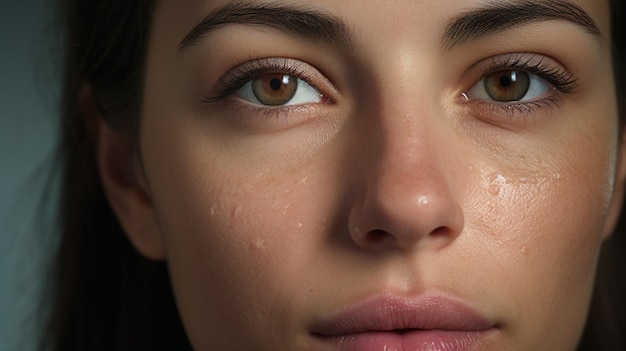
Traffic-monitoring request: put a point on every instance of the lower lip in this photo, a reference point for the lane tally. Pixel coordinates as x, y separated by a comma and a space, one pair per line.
418, 340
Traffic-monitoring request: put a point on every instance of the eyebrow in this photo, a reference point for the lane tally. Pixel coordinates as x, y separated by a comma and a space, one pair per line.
499, 16
305, 23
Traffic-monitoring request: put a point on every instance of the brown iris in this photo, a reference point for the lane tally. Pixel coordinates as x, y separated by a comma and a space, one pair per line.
506, 86
274, 89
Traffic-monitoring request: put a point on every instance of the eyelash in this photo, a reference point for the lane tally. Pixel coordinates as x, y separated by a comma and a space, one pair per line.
244, 72
561, 79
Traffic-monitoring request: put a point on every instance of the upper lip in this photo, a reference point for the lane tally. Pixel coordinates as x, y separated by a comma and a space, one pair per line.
393, 313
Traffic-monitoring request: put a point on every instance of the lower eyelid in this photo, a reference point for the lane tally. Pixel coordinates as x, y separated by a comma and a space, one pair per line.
513, 112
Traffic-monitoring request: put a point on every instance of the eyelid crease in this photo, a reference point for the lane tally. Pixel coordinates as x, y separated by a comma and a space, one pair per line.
236, 77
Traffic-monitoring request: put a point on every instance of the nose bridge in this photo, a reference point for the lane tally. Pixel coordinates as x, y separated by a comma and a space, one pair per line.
409, 195
411, 168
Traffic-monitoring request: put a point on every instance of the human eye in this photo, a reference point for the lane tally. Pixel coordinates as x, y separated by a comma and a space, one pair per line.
277, 89
520, 83
272, 83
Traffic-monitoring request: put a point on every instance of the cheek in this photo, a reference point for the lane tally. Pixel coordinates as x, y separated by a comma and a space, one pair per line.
541, 221
238, 235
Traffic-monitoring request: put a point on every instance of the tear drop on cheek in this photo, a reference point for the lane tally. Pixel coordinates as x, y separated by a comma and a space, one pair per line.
494, 189
237, 211
258, 244
496, 182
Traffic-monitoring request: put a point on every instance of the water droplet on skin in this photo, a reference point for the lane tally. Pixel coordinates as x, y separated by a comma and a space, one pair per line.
299, 225
494, 189
286, 208
524, 251
263, 173
258, 244
237, 211
305, 180
495, 184
212, 211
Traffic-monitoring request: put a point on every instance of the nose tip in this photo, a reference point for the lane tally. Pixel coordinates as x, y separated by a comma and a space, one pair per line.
395, 216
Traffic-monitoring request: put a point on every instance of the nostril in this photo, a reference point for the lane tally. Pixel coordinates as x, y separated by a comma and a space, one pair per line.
440, 231
376, 235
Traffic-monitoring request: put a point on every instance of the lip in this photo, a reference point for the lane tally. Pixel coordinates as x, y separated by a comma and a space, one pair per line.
429, 322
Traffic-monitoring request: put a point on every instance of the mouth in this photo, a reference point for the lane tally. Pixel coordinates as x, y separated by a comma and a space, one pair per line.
392, 323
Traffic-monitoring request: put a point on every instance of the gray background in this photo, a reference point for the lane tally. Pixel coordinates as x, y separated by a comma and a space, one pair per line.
28, 113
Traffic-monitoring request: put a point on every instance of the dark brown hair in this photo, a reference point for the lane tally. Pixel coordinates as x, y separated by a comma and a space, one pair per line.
106, 296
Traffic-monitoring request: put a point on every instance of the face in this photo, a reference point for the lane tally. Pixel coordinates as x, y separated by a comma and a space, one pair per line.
386, 180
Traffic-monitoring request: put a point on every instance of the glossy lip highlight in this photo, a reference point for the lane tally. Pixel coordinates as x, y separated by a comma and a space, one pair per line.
394, 324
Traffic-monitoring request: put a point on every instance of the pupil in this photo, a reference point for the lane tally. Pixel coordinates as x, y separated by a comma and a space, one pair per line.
505, 81
275, 84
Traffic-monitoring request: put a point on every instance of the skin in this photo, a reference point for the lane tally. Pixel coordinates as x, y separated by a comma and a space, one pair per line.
269, 221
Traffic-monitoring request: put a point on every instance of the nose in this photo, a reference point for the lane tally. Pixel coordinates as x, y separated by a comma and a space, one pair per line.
407, 195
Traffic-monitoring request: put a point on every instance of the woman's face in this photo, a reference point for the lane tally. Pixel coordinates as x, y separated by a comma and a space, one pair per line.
366, 175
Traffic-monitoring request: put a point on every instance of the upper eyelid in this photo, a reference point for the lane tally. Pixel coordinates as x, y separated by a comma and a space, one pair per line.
548, 68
